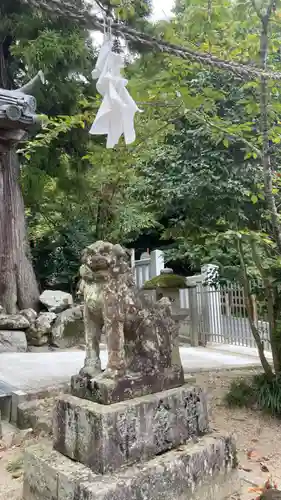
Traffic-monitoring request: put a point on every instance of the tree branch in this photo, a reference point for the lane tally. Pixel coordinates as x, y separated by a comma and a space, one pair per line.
268, 13
221, 129
270, 296
266, 161
265, 364
257, 11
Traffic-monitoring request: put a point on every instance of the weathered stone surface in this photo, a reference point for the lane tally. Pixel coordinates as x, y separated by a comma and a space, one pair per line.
12, 341
106, 437
30, 314
13, 322
41, 328
202, 471
141, 336
38, 342
56, 301
36, 414
68, 329
107, 391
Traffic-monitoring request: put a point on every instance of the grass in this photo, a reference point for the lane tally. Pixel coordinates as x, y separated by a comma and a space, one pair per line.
260, 392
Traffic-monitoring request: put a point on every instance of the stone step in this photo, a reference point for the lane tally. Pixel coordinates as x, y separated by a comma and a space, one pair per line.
11, 398
206, 470
36, 414
6, 391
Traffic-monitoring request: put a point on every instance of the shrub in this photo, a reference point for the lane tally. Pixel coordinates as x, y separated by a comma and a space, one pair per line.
268, 392
240, 394
261, 392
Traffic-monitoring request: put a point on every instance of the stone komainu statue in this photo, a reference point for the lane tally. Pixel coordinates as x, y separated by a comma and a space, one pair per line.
141, 336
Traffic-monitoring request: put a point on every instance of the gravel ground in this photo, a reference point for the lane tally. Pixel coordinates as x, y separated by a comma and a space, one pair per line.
258, 440
258, 436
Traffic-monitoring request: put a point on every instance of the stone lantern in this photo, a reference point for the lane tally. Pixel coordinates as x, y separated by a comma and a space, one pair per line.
167, 284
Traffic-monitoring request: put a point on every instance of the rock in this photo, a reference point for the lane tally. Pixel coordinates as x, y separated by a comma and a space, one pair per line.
68, 329
38, 342
56, 301
13, 322
39, 331
43, 323
29, 314
21, 436
12, 341
36, 414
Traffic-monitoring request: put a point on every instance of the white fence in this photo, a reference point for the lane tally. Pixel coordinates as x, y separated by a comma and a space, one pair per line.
147, 267
219, 314
216, 314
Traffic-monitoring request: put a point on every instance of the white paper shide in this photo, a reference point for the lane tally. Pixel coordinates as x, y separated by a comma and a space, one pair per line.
117, 111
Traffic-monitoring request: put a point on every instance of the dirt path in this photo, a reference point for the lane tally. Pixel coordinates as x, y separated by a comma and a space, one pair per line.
258, 437
258, 442
11, 462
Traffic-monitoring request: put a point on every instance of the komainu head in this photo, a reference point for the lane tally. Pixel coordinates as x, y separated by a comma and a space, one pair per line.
103, 260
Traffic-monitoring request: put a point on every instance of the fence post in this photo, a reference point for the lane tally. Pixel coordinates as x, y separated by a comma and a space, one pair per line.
156, 263
133, 264
194, 316
213, 304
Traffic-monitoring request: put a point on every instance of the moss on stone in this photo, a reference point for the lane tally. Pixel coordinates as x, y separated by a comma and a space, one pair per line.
165, 281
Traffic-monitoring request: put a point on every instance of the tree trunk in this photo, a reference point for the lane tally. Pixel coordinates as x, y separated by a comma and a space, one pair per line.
249, 306
18, 286
271, 293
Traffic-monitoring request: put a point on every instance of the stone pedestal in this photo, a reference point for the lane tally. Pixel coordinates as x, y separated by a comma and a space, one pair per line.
202, 471
154, 447
138, 436
104, 438
107, 391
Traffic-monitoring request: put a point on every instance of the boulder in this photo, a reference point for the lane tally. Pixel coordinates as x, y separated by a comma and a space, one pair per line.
44, 322
56, 301
13, 322
40, 330
38, 342
12, 341
68, 329
30, 314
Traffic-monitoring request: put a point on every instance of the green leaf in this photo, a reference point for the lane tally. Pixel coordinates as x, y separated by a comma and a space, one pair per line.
254, 199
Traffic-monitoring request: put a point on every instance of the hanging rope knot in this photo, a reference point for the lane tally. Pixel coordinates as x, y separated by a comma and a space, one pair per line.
116, 47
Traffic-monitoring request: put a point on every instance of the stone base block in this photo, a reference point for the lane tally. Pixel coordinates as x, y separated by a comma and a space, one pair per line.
107, 391
202, 471
106, 437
